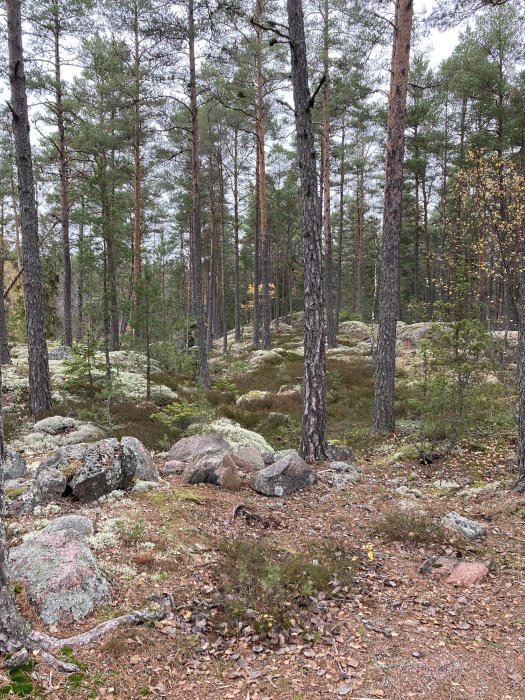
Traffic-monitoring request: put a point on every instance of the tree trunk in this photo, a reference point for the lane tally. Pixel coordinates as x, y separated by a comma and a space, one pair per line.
385, 360
198, 305
325, 170
263, 209
212, 277
236, 266
360, 205
256, 338
137, 160
63, 177
39, 382
341, 227
13, 630
5, 355
313, 441
224, 295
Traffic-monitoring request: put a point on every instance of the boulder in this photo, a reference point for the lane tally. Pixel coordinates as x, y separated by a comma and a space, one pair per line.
264, 357
79, 523
356, 331
64, 456
470, 529
57, 431
15, 466
288, 475
196, 446
339, 453
144, 467
236, 436
253, 398
280, 454
60, 575
49, 485
172, 466
275, 419
340, 475
219, 470
106, 467
248, 459
62, 352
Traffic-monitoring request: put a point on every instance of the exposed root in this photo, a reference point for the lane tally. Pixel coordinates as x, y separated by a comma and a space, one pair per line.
41, 644
137, 617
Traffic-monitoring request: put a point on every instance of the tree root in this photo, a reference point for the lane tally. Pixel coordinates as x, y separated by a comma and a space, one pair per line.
41, 644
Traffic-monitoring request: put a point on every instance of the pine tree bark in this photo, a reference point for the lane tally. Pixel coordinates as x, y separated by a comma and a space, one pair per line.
212, 276
520, 482
137, 159
198, 306
325, 169
5, 355
385, 360
13, 630
236, 264
313, 440
39, 381
256, 336
63, 178
341, 227
263, 207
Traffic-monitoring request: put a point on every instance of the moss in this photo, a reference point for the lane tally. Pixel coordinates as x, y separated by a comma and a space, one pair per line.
15, 492
70, 470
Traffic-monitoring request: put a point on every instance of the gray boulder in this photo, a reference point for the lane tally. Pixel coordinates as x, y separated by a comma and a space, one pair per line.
144, 467
60, 575
286, 476
64, 457
62, 352
219, 470
341, 475
49, 485
280, 454
79, 523
15, 466
106, 467
196, 446
470, 529
339, 453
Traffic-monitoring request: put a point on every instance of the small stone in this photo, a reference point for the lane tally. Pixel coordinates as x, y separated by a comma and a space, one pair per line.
467, 574
470, 529
344, 690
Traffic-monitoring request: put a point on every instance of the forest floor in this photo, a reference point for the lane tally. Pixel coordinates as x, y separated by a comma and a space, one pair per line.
376, 628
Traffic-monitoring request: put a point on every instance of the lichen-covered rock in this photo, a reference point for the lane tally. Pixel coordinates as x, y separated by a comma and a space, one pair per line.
342, 475
60, 575
356, 331
264, 357
237, 436
253, 397
62, 352
470, 529
79, 523
195, 446
15, 466
339, 453
144, 486
49, 485
288, 475
144, 467
57, 431
280, 454
106, 467
219, 470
